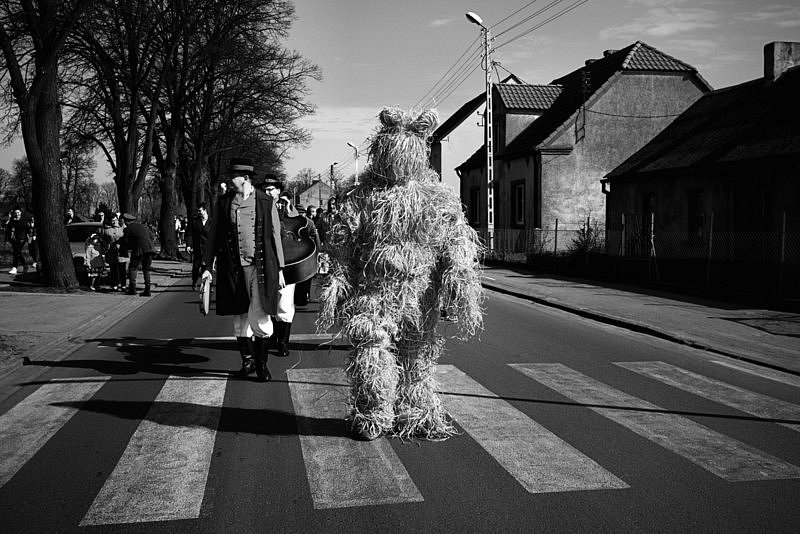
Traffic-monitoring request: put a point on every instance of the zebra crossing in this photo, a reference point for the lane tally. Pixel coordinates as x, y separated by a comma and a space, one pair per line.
162, 475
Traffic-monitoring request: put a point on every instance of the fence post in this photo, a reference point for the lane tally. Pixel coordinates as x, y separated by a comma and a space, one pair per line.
555, 244
783, 254
708, 252
589, 238
653, 244
622, 244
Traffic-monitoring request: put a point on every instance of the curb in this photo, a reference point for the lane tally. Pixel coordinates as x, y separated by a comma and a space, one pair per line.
634, 326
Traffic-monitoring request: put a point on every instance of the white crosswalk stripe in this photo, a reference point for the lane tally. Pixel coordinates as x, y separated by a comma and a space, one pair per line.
26, 427
719, 392
342, 472
726, 457
763, 372
537, 458
162, 474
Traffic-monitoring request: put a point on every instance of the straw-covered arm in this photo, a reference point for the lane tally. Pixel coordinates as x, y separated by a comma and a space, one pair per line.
462, 294
338, 287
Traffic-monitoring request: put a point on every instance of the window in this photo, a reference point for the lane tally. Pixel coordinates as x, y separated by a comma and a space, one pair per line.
475, 206
518, 203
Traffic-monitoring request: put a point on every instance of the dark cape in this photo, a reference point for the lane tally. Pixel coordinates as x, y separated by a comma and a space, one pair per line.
223, 243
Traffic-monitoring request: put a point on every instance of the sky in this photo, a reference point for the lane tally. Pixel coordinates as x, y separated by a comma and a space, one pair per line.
377, 53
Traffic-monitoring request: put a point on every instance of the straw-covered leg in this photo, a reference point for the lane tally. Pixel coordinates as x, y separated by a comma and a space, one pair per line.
373, 373
419, 409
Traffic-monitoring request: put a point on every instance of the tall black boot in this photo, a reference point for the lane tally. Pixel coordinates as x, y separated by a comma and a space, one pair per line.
246, 352
261, 353
282, 332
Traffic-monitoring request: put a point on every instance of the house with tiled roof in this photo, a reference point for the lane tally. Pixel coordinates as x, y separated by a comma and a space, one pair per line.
458, 137
722, 181
550, 159
317, 195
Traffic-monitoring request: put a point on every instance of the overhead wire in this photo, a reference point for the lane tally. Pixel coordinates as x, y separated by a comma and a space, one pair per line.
544, 22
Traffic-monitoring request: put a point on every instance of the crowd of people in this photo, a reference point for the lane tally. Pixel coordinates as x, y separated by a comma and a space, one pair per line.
122, 246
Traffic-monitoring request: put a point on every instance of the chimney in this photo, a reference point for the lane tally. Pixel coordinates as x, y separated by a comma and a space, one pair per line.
607, 53
589, 62
780, 56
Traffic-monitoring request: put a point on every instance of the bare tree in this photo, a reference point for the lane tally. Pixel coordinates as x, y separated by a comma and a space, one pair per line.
77, 170
107, 194
32, 35
116, 78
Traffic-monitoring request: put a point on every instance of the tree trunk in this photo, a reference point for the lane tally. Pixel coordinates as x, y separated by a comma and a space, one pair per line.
41, 125
169, 242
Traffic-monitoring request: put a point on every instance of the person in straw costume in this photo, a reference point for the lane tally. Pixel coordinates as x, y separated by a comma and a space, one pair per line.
401, 254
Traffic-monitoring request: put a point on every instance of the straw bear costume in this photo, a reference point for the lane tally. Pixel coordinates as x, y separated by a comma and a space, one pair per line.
402, 253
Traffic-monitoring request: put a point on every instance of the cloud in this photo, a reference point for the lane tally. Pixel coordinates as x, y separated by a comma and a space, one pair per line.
782, 16
341, 122
664, 22
439, 22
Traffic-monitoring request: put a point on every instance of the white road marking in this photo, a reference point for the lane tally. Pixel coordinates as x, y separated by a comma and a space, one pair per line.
719, 392
26, 427
343, 472
162, 474
763, 372
541, 461
725, 457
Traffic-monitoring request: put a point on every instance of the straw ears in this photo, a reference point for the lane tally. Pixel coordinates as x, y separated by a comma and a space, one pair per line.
423, 125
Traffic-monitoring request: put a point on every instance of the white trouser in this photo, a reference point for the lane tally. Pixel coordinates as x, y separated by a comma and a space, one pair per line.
286, 304
255, 321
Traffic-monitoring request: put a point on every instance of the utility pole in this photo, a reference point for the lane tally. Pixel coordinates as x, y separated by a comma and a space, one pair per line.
333, 184
354, 147
488, 123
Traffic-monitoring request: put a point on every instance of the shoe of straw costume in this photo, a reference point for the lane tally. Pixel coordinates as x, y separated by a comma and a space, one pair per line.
401, 254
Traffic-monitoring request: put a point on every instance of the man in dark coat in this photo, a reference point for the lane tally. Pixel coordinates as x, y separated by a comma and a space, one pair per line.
196, 241
244, 237
136, 239
18, 234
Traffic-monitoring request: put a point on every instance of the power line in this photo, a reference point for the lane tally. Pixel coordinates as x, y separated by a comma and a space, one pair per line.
465, 64
633, 116
545, 22
530, 17
456, 80
469, 46
512, 14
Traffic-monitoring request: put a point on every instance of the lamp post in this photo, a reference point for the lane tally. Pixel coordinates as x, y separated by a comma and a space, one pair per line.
354, 147
487, 120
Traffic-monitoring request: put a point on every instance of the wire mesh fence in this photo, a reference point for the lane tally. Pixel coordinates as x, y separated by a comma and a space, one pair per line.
638, 246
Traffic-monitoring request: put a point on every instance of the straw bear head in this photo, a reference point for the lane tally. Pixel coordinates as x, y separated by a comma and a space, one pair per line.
400, 152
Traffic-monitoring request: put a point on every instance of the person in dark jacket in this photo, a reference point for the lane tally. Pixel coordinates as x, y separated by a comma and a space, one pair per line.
136, 239
18, 234
196, 241
244, 237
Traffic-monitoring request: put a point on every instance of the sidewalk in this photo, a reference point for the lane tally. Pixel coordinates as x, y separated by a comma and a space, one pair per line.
765, 337
34, 323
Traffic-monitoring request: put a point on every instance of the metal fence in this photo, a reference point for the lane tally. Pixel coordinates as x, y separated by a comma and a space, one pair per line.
636, 247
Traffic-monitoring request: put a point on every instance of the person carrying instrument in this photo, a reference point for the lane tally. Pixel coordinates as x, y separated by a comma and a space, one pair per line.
244, 237
290, 220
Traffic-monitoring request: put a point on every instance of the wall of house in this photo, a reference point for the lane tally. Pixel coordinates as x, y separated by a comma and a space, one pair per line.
516, 122
456, 148
746, 203
316, 195
625, 115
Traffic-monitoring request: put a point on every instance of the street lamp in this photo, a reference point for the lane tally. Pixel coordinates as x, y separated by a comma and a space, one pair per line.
487, 119
354, 147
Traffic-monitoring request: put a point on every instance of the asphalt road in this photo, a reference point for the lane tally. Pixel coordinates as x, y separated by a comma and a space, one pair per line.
567, 426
